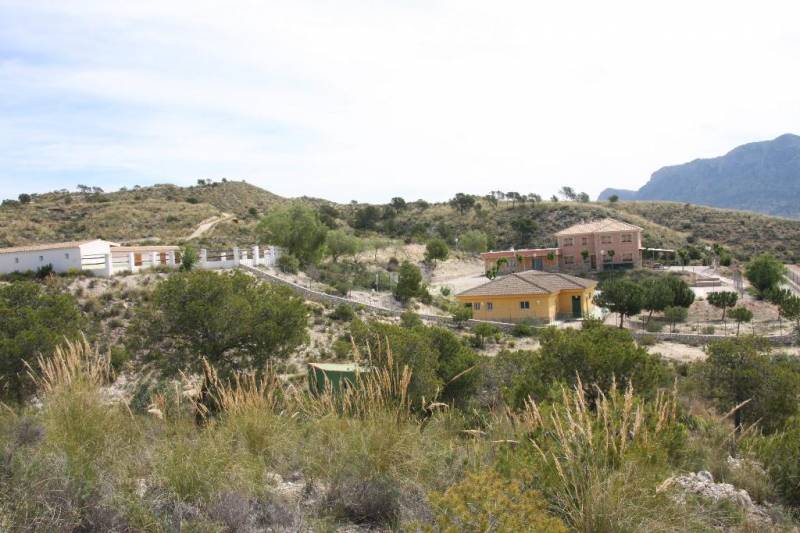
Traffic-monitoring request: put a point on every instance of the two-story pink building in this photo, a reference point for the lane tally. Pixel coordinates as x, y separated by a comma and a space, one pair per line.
590, 246
600, 245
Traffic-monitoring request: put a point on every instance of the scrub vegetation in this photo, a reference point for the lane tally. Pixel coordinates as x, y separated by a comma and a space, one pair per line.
582, 432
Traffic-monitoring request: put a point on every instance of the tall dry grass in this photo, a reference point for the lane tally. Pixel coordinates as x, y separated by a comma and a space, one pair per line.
73, 365
364, 454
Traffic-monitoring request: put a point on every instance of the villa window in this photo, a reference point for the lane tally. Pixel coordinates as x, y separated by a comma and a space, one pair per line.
569, 260
626, 237
489, 306
627, 258
41, 258
476, 306
66, 256
524, 305
605, 239
568, 241
16, 260
585, 241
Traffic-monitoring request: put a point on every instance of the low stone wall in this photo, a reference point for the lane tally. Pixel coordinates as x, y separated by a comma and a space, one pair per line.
697, 339
332, 299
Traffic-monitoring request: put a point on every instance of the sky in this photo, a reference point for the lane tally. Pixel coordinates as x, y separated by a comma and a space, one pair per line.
373, 99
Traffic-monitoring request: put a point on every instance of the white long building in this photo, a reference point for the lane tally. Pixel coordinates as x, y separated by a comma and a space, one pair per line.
106, 258
63, 256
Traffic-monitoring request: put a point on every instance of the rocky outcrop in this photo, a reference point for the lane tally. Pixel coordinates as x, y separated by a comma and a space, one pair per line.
702, 484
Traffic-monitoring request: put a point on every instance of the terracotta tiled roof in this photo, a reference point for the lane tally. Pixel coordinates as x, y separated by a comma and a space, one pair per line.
40, 247
598, 226
530, 282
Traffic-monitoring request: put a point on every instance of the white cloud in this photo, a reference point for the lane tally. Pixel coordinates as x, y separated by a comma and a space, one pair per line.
370, 100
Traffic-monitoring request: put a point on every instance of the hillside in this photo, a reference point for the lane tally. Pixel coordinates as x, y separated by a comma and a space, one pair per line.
168, 213
762, 176
521, 226
164, 213
743, 233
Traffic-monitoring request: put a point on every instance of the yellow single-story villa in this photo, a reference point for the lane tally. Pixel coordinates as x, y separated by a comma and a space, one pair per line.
530, 295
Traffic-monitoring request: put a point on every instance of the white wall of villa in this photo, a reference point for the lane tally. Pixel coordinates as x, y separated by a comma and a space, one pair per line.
79, 255
104, 258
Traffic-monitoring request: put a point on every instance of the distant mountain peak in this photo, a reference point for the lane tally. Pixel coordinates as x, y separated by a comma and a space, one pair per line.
761, 176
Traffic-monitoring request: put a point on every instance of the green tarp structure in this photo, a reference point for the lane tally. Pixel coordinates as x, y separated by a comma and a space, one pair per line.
339, 374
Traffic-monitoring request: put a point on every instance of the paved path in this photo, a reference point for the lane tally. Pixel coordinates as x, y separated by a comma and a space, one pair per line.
207, 224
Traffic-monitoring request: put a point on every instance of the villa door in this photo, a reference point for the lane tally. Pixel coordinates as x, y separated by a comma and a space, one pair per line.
594, 262
576, 307
538, 264
137, 260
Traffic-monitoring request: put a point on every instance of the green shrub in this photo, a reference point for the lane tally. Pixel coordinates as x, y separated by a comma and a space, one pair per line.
288, 263
119, 356
780, 453
409, 283
410, 319
647, 340
296, 228
232, 319
44, 271
743, 370
189, 258
708, 330
483, 332
654, 327
601, 356
461, 313
522, 330
343, 312
342, 348
483, 501
33, 321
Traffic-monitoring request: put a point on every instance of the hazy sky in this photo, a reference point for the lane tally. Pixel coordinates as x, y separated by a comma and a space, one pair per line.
373, 99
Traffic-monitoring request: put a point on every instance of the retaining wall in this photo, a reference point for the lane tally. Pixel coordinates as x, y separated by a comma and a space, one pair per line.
332, 299
698, 339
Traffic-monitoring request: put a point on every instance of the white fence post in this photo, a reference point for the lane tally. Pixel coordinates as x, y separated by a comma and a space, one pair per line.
131, 262
203, 257
109, 266
153, 259
171, 258
236, 257
256, 258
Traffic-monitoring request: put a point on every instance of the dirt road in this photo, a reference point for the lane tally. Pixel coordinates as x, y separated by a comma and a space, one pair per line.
207, 224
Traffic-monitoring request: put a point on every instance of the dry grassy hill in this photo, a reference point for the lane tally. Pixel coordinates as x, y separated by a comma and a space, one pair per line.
169, 213
745, 233
164, 213
666, 224
510, 224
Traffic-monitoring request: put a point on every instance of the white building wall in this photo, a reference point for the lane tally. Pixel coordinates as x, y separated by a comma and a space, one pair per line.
62, 259
93, 257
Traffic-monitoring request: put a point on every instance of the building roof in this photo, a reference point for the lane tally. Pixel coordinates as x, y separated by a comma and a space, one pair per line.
145, 248
530, 282
50, 246
599, 226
